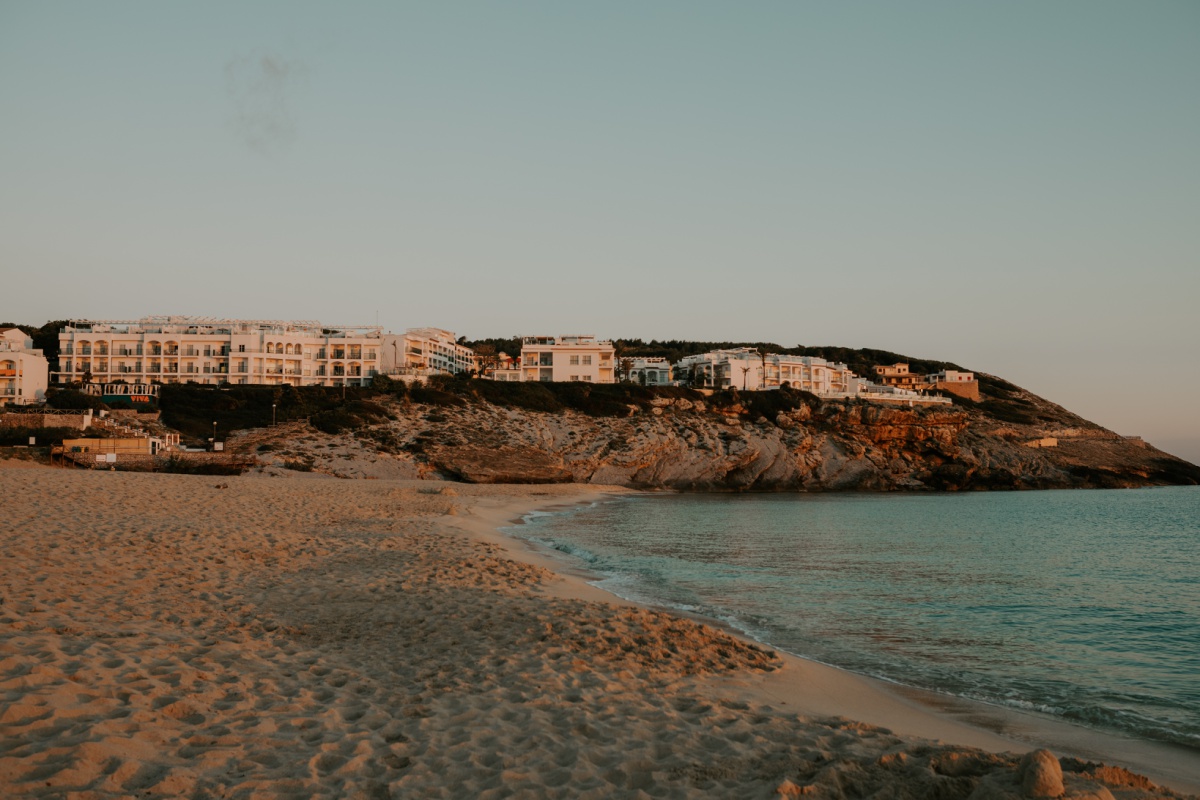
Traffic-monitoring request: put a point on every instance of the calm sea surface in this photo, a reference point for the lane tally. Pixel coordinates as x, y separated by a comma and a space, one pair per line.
1080, 604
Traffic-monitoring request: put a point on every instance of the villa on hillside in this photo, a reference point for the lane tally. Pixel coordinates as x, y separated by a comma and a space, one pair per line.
178, 349
899, 375
24, 371
956, 382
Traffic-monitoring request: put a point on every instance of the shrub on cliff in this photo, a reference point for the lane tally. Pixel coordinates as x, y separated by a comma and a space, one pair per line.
191, 409
773, 403
74, 400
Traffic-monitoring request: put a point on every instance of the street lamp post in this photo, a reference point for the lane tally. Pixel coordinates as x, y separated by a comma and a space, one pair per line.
214, 434
272, 415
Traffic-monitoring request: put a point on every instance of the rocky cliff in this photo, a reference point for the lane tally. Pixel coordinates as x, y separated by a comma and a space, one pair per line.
686, 441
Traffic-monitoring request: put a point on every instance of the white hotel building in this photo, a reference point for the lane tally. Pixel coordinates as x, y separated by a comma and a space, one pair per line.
567, 358
745, 368
24, 372
214, 351
422, 352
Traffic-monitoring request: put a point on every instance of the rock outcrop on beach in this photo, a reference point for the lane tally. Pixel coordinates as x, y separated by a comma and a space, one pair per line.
687, 441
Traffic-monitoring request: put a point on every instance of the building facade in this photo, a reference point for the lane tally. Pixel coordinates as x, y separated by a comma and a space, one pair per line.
24, 371
955, 382
899, 375
420, 352
748, 369
567, 358
215, 351
653, 371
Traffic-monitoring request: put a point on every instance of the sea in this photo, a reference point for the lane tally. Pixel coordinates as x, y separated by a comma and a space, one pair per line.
1083, 605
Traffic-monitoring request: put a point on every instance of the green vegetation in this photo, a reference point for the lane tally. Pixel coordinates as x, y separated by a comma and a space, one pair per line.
73, 400
594, 399
191, 409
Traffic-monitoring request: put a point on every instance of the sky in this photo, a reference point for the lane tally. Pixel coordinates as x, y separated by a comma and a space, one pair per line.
1013, 187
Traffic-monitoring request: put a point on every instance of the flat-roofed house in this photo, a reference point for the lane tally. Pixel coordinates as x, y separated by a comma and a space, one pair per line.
24, 371
648, 371
956, 382
567, 358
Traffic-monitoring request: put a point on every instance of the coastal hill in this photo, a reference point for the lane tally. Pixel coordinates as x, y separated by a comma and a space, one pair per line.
673, 438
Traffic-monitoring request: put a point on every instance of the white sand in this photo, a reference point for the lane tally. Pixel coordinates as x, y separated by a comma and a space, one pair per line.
181, 636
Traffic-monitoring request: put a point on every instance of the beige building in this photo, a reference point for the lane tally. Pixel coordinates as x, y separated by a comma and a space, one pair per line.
24, 371
420, 352
214, 351
567, 358
962, 384
899, 375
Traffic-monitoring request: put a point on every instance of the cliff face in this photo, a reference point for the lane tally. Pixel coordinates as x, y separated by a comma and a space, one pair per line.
685, 444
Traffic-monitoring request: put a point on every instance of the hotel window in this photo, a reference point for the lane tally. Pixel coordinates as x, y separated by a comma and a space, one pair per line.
574, 361
587, 359
574, 377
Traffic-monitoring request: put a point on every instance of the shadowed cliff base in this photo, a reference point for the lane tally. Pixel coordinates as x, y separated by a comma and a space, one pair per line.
680, 439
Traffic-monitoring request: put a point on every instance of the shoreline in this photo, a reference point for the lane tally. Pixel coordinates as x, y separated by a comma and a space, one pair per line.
176, 635
815, 687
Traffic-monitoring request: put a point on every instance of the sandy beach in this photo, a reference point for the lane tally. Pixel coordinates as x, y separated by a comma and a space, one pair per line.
303, 636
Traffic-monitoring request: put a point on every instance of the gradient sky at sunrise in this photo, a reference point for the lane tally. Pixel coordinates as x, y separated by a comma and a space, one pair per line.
1013, 186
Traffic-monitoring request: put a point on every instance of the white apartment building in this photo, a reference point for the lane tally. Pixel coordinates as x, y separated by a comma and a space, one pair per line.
567, 358
745, 368
423, 352
652, 371
24, 371
177, 349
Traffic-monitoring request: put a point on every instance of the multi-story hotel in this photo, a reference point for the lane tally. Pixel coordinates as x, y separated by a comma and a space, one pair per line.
567, 358
746, 368
214, 351
425, 351
24, 372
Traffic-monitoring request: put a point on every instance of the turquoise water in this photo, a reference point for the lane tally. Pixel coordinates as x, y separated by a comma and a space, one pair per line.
1080, 604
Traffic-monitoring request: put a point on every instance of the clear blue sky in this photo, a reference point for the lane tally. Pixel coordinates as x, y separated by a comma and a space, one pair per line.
1012, 186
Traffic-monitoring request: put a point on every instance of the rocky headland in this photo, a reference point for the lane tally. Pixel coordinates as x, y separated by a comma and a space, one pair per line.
678, 439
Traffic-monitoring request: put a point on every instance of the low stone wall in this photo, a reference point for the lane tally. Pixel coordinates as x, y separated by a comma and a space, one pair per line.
134, 414
144, 462
41, 419
967, 389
